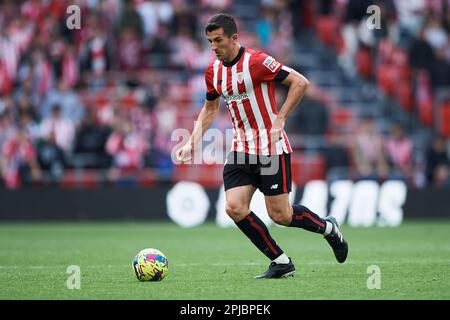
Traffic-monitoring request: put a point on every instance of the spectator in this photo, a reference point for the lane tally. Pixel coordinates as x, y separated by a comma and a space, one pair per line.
67, 100
154, 14
437, 162
441, 176
184, 50
70, 69
265, 26
9, 55
355, 11
131, 19
388, 21
311, 118
162, 145
336, 156
368, 152
7, 127
440, 70
90, 143
421, 53
24, 105
6, 82
126, 146
58, 129
410, 13
29, 125
435, 34
41, 71
51, 157
399, 148
130, 50
18, 161
96, 54
27, 92
160, 48
324, 7
446, 22
7, 106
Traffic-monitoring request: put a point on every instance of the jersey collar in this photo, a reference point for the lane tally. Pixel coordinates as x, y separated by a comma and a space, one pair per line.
235, 60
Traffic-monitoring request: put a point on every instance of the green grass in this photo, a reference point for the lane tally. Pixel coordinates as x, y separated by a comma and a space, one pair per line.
208, 262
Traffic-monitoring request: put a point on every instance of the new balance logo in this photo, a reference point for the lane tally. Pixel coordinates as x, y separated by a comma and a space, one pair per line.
274, 186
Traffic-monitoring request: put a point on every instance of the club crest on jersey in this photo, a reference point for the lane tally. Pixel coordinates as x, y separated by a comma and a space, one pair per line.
240, 77
271, 64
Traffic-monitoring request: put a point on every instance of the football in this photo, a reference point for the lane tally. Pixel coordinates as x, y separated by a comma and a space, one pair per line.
150, 265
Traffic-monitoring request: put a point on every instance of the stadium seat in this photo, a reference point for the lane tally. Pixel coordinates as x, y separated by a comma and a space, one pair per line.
211, 175
385, 51
364, 62
326, 27
100, 100
405, 95
147, 178
307, 15
181, 94
424, 99
444, 118
208, 175
403, 66
341, 117
80, 179
185, 119
387, 78
129, 101
306, 167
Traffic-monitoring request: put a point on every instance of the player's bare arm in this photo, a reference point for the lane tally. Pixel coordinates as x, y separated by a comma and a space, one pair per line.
298, 85
204, 121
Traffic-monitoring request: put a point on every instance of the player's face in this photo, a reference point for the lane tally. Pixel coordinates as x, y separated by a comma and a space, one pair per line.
221, 44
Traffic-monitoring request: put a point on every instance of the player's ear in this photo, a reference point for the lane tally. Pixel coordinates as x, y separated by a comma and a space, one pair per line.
234, 37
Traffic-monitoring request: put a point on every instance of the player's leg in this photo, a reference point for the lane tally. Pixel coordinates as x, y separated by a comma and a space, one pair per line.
239, 189
276, 186
237, 207
238, 201
281, 212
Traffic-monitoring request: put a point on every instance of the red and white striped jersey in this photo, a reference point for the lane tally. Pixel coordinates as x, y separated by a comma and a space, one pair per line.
247, 85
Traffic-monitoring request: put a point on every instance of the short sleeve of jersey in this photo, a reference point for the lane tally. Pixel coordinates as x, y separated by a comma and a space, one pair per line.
211, 93
265, 68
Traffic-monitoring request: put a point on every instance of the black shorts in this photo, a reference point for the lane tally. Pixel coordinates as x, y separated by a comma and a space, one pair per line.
270, 174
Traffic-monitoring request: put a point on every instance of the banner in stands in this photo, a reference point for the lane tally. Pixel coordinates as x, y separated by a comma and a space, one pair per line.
360, 204
364, 203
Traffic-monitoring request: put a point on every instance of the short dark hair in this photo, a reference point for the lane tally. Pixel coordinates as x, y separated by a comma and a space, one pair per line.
224, 21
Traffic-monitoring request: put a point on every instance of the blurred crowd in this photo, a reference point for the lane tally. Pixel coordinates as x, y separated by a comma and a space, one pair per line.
421, 27
410, 57
109, 95
403, 46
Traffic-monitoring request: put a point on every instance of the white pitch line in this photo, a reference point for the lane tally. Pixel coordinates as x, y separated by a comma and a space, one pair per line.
230, 264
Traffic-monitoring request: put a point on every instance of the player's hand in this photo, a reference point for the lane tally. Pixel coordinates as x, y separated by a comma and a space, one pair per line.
276, 132
184, 154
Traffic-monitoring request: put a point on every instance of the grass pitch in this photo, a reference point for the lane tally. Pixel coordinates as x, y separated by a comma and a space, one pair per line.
208, 262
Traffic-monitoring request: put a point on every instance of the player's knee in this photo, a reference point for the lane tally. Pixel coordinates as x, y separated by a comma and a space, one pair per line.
236, 211
280, 216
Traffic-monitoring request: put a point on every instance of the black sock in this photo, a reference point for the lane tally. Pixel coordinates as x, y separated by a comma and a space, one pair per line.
308, 220
258, 233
